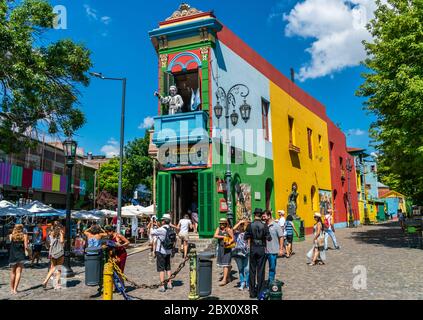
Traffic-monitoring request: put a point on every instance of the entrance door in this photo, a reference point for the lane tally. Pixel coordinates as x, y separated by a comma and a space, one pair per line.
184, 195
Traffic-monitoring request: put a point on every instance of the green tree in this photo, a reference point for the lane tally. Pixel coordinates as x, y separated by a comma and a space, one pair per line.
137, 169
138, 165
38, 84
108, 177
394, 92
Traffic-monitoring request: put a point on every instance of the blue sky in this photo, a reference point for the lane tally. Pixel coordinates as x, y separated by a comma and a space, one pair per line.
323, 50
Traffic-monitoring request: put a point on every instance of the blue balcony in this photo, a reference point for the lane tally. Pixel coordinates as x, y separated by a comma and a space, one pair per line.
189, 128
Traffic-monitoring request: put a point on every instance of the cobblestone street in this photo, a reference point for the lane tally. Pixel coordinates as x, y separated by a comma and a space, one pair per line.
393, 272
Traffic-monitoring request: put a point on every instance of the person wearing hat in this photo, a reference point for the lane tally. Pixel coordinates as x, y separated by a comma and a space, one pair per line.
163, 255
281, 223
317, 255
226, 241
257, 234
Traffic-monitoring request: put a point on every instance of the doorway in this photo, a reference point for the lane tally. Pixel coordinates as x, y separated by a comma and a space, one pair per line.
184, 195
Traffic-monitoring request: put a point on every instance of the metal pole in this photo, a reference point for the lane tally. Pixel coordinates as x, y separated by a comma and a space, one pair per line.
122, 141
67, 271
228, 165
154, 186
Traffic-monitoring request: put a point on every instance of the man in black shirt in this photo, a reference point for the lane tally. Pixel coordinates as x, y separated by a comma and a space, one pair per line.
257, 234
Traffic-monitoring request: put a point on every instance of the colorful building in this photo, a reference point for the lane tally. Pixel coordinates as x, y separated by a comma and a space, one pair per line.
344, 183
279, 136
39, 173
394, 202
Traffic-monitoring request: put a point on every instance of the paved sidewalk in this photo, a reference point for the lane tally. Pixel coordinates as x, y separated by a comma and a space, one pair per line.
393, 271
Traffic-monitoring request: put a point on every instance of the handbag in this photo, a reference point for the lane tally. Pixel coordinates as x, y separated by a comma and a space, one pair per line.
321, 241
228, 239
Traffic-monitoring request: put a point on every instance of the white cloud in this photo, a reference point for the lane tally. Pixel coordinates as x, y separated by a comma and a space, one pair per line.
106, 20
356, 132
111, 149
337, 28
92, 13
147, 123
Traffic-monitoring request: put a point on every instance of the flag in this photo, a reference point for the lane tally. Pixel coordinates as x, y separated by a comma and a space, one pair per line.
195, 100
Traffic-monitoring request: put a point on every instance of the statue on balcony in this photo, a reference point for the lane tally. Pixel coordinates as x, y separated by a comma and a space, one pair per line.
292, 201
173, 100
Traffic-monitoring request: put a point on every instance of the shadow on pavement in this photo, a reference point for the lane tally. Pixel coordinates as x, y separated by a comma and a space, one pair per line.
390, 235
72, 283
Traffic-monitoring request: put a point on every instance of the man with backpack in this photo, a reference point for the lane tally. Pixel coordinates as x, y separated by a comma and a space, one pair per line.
166, 239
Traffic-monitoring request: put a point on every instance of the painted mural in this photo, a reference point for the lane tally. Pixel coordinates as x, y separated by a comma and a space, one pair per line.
243, 204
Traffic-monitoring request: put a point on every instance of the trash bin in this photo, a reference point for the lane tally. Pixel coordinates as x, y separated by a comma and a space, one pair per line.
205, 271
93, 266
275, 289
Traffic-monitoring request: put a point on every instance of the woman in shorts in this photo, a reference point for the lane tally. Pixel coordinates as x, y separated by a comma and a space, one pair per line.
289, 234
19, 243
56, 254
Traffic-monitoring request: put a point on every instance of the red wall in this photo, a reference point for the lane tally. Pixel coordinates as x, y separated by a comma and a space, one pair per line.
340, 187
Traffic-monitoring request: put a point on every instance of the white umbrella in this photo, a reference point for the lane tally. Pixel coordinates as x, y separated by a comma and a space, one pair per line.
132, 211
40, 209
108, 213
9, 209
6, 204
149, 211
85, 215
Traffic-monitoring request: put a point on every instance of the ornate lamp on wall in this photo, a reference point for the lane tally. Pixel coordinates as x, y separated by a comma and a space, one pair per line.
229, 99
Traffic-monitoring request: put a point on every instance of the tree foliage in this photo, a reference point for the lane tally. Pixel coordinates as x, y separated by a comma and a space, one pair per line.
38, 83
137, 169
394, 92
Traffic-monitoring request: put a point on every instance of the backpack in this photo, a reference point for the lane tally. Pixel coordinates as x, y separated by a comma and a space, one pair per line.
170, 239
326, 224
289, 231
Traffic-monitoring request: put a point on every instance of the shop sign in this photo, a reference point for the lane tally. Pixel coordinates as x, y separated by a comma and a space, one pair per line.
183, 156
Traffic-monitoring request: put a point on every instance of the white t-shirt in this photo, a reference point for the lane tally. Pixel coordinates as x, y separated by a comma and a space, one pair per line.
185, 225
281, 223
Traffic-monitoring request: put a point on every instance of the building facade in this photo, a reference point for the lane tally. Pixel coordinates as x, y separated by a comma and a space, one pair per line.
238, 110
39, 173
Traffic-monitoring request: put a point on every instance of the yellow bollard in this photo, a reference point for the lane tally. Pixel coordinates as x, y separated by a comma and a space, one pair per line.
193, 293
108, 281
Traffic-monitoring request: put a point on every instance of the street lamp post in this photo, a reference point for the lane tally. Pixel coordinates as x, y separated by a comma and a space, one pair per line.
122, 137
69, 147
229, 99
349, 168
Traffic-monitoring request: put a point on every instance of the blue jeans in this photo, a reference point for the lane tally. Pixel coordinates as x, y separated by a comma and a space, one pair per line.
330, 233
243, 269
272, 258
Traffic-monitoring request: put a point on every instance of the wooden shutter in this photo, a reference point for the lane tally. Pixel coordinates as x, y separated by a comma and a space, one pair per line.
163, 193
205, 208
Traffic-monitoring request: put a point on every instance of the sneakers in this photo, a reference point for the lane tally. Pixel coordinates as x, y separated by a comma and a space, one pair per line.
162, 289
338, 248
242, 286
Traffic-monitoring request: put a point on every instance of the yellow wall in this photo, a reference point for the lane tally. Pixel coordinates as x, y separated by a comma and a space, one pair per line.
361, 211
372, 210
313, 172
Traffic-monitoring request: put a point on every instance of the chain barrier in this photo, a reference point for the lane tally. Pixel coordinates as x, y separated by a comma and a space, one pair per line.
145, 286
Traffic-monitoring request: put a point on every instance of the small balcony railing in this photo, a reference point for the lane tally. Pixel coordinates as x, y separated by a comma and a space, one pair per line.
189, 128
